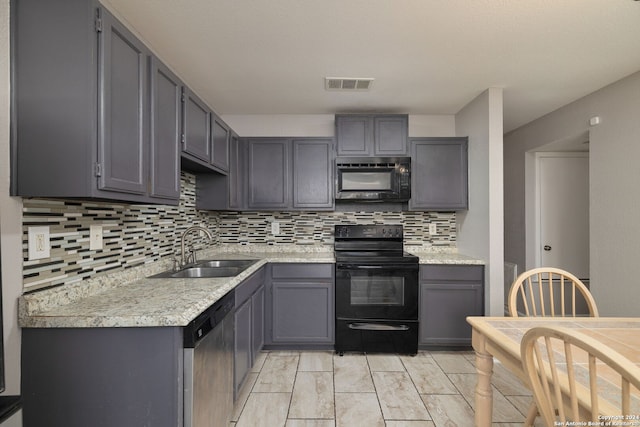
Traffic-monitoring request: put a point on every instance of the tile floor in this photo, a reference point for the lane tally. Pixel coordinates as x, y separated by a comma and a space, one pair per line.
321, 389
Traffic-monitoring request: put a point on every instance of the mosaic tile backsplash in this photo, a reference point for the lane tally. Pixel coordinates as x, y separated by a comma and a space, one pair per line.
134, 235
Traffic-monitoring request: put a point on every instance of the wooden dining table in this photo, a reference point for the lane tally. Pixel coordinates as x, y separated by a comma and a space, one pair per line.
499, 337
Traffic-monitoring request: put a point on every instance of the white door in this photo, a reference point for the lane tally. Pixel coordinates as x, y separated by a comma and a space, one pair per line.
564, 212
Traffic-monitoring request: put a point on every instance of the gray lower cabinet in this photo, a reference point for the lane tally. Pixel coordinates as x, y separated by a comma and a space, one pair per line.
300, 306
249, 326
82, 99
371, 135
448, 294
125, 377
439, 174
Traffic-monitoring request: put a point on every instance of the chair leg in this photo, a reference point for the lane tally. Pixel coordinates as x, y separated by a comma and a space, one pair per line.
531, 414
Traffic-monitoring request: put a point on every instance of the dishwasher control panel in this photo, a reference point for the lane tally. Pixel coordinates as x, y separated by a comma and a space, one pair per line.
199, 327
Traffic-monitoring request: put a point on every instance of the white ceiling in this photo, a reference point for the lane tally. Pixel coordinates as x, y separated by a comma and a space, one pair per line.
427, 56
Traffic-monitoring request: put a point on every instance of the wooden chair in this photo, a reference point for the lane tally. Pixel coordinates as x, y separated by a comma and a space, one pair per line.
551, 292
548, 291
576, 378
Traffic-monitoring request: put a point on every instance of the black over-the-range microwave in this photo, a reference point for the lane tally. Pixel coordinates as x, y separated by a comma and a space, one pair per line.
371, 179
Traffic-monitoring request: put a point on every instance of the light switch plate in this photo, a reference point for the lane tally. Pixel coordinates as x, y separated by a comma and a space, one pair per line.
95, 237
275, 228
433, 229
39, 246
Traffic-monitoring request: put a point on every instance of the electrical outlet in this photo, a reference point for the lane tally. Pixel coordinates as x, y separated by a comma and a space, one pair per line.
39, 247
433, 229
95, 237
275, 228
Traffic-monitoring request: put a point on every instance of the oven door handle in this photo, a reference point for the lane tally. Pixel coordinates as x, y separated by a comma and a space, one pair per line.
377, 267
377, 327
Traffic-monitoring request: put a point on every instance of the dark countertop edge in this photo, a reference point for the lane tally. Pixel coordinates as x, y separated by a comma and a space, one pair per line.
9, 405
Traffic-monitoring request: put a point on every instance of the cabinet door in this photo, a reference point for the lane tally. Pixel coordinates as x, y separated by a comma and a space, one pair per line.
268, 174
237, 171
220, 144
439, 174
313, 174
302, 312
197, 127
166, 93
123, 135
390, 135
354, 135
242, 344
257, 326
443, 312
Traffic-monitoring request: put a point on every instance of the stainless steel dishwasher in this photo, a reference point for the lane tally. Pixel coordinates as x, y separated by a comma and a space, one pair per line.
208, 366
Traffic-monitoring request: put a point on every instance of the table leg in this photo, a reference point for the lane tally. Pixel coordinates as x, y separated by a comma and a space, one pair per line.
484, 392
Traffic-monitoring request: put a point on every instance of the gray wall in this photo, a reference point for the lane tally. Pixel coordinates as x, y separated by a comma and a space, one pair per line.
480, 228
614, 195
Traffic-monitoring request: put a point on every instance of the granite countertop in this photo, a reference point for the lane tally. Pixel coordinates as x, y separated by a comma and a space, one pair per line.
133, 300
429, 257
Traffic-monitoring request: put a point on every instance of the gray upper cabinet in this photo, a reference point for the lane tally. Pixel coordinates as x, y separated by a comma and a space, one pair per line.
371, 135
166, 128
220, 144
225, 192
205, 137
290, 173
313, 174
268, 173
236, 177
81, 99
439, 174
390, 135
196, 143
122, 98
354, 135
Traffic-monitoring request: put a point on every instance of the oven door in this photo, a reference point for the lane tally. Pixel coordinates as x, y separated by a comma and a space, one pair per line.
377, 291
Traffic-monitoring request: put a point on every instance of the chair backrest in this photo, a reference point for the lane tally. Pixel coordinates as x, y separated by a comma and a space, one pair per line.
551, 292
576, 378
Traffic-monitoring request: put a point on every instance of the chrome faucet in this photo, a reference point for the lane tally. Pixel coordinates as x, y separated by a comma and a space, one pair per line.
185, 259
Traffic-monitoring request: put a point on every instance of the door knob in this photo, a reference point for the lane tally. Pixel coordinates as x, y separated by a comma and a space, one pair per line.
547, 248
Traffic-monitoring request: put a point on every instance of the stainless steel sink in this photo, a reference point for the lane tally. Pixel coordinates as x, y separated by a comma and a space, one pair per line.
209, 269
219, 263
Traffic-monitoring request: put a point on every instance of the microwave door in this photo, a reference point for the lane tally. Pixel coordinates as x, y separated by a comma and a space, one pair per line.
366, 181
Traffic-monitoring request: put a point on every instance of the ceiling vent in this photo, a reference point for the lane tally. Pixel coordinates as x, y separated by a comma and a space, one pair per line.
348, 83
